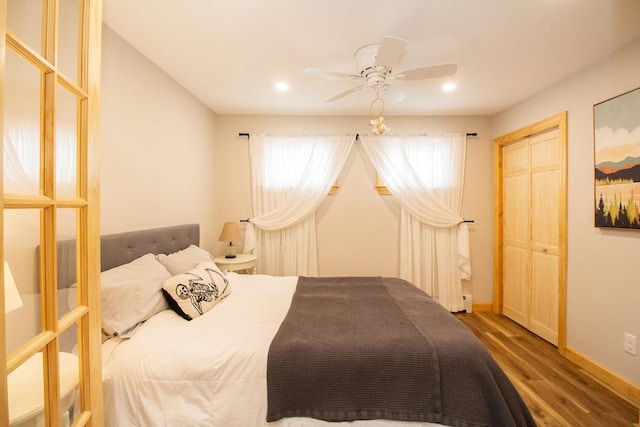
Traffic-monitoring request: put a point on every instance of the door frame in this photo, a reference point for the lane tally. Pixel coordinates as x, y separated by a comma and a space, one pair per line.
558, 121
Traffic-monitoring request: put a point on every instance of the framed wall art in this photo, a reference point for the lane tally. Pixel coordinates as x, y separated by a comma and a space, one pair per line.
616, 135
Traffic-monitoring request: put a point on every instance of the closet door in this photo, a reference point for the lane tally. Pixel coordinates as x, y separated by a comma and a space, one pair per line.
545, 234
50, 355
517, 219
531, 196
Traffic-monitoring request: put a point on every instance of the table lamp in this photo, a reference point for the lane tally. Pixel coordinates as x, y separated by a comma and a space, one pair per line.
12, 300
230, 233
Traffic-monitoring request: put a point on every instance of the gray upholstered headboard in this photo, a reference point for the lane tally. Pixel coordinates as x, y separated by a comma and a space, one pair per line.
121, 248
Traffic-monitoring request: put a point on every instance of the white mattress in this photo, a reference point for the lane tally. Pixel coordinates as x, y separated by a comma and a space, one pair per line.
210, 371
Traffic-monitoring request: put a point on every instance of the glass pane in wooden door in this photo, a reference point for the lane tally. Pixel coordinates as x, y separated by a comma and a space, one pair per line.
26, 393
24, 20
69, 375
69, 339
22, 130
66, 220
66, 142
68, 18
21, 238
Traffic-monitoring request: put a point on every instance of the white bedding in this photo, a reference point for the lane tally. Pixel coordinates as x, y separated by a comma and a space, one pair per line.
210, 371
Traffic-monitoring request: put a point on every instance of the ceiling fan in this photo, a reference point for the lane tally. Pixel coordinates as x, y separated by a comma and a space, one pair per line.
376, 63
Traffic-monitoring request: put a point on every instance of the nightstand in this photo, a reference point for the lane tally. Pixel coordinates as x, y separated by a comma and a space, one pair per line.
242, 262
26, 400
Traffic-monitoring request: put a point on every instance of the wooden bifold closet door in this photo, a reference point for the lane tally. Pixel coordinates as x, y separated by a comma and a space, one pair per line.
531, 240
531, 228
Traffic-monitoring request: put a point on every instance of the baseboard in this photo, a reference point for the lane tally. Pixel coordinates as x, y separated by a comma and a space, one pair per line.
622, 386
482, 306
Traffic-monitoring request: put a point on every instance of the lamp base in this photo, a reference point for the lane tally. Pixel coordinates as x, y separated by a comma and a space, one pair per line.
231, 251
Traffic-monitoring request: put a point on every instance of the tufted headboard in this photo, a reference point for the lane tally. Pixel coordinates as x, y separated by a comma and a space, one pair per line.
121, 248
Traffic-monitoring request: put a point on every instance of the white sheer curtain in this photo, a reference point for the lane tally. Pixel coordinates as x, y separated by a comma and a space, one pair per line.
426, 175
22, 158
291, 176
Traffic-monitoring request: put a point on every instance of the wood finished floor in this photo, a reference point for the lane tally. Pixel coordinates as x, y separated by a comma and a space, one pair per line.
557, 391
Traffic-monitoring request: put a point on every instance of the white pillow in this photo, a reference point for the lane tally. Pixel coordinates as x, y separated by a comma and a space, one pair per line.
184, 260
197, 291
131, 293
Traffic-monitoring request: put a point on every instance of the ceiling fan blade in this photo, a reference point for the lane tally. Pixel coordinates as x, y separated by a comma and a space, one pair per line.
390, 52
431, 72
345, 93
333, 74
393, 94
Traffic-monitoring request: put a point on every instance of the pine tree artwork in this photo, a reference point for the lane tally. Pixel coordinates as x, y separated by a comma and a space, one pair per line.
617, 161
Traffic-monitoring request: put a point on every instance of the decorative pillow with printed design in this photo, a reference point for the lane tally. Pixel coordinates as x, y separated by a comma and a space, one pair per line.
197, 291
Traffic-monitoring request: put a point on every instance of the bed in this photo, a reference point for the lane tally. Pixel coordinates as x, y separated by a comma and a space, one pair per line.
246, 357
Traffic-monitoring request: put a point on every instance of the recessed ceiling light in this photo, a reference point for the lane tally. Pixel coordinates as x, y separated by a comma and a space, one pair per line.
449, 87
282, 86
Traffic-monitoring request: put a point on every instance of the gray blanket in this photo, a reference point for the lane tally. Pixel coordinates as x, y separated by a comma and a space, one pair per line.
361, 348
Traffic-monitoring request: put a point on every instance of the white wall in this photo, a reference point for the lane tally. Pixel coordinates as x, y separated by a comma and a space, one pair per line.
603, 297
157, 148
357, 228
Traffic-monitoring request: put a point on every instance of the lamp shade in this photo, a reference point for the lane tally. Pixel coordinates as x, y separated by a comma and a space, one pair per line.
12, 300
230, 232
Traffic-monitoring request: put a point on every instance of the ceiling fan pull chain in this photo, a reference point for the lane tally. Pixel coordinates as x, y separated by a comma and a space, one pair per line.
377, 98
377, 121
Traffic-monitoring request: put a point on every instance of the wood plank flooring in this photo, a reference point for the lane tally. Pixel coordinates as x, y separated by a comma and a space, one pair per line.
557, 391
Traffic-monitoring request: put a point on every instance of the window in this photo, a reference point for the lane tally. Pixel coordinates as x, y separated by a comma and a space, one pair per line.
433, 161
286, 161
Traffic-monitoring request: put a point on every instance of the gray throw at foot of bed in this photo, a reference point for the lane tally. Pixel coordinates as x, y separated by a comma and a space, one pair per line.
362, 348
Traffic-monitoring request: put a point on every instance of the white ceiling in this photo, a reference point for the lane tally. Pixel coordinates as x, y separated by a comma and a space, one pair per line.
230, 53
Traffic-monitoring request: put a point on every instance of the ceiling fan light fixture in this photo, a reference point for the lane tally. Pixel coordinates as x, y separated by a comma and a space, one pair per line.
378, 125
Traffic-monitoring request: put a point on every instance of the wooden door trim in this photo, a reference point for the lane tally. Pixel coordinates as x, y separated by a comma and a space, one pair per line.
4, 394
558, 121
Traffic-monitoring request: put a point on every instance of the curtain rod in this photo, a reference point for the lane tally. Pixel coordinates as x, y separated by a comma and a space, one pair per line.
469, 134
248, 220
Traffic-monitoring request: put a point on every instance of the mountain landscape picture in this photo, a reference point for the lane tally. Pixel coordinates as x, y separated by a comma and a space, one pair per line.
617, 161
